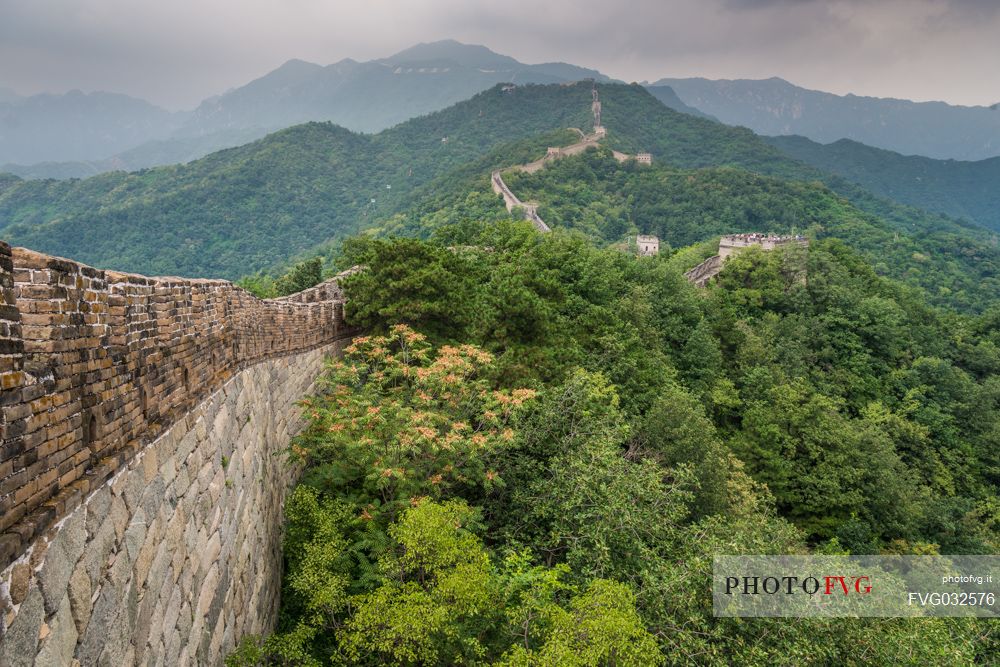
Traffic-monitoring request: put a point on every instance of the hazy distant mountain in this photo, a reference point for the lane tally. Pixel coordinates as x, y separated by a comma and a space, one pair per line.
244, 208
371, 96
150, 154
776, 107
76, 135
669, 98
78, 126
960, 189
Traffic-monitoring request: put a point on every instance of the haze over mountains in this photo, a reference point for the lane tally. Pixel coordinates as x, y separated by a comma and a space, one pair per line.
776, 107
263, 204
246, 208
78, 135
371, 96
78, 126
81, 135
960, 189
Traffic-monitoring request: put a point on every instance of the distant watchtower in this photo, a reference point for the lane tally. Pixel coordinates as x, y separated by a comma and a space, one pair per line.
644, 158
596, 108
647, 245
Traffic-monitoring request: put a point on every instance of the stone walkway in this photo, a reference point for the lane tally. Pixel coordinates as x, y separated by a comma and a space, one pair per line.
531, 210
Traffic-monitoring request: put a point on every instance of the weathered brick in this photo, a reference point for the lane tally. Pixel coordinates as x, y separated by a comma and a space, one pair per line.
77, 342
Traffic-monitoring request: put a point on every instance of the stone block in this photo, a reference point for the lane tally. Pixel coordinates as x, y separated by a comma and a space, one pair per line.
185, 619
168, 470
160, 566
64, 551
144, 559
95, 557
20, 642
20, 577
104, 616
210, 553
132, 488
118, 516
182, 482
172, 647
135, 535
98, 507
172, 612
57, 649
149, 464
143, 623
79, 597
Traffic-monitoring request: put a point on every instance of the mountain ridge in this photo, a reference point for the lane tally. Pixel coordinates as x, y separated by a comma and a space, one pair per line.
373, 95
774, 106
79, 126
961, 189
364, 96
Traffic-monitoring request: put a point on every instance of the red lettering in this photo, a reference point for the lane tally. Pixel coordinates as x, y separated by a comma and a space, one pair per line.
831, 581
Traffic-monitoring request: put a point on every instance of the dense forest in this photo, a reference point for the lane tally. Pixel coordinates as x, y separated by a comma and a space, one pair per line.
298, 192
596, 195
539, 443
536, 449
241, 209
956, 188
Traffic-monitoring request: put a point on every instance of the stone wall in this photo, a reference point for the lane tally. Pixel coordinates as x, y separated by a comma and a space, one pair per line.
511, 202
734, 244
140, 491
178, 555
93, 364
701, 274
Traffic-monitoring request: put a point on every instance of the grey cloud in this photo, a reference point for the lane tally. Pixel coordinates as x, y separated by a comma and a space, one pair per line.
176, 53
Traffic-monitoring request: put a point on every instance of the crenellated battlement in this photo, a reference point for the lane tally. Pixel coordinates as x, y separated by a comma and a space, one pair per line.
95, 364
734, 243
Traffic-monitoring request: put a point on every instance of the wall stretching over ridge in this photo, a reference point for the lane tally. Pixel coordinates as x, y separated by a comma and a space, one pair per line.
140, 491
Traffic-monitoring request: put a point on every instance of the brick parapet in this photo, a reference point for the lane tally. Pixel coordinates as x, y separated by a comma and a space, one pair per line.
94, 364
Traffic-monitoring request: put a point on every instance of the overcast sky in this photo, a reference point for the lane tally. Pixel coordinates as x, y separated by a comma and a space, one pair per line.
177, 52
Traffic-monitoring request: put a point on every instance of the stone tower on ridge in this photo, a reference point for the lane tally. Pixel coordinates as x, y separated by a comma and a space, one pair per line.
596, 108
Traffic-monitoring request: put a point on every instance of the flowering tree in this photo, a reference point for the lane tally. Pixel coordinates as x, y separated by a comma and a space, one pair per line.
398, 421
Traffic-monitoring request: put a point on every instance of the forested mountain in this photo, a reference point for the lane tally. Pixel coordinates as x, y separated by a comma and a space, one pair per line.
608, 202
960, 189
540, 443
75, 135
539, 446
78, 126
776, 107
669, 98
371, 96
242, 209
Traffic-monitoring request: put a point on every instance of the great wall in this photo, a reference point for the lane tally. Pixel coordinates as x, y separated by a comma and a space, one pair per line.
733, 244
142, 422
529, 209
701, 274
141, 482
